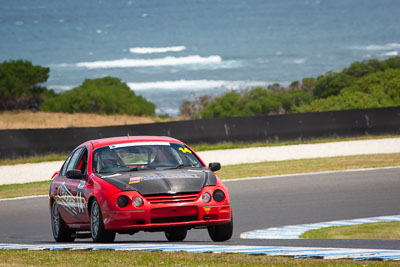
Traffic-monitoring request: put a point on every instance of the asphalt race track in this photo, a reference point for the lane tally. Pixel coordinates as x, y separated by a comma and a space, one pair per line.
257, 204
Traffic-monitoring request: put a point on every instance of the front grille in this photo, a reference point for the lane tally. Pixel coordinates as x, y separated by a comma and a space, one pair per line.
171, 198
174, 219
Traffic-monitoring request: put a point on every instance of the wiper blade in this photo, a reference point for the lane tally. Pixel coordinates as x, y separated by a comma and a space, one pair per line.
130, 169
180, 166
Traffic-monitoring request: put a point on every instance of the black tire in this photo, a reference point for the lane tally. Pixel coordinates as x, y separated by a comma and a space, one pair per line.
220, 233
176, 234
60, 232
98, 232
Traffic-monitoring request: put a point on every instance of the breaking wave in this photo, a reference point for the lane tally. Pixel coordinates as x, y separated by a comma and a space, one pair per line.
299, 61
183, 85
389, 46
390, 54
196, 85
157, 62
153, 50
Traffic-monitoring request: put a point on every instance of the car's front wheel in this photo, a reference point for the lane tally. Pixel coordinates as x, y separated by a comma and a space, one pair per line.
220, 233
98, 232
176, 234
60, 232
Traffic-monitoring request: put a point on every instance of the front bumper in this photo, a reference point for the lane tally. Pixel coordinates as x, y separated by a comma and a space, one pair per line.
151, 217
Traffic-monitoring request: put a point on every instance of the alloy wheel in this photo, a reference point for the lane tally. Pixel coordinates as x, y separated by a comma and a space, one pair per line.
95, 220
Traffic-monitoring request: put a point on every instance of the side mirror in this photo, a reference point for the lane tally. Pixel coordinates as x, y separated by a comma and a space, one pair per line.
74, 174
214, 166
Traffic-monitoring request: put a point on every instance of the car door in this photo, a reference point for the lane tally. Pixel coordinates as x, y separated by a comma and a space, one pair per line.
71, 190
78, 186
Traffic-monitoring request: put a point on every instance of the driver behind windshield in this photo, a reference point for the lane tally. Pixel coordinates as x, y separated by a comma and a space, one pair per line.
109, 160
163, 158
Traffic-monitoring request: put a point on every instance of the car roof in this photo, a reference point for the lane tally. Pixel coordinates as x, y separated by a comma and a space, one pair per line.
130, 139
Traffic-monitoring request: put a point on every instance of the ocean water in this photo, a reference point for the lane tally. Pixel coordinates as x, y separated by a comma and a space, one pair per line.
171, 50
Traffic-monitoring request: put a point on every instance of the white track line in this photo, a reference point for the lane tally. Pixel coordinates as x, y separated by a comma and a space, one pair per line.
23, 198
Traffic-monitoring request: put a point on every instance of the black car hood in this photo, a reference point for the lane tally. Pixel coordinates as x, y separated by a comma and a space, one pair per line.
162, 181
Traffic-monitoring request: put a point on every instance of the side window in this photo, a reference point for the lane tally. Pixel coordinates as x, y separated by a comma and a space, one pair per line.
83, 162
74, 159
64, 167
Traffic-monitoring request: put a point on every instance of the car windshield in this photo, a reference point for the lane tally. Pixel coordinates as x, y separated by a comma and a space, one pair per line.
143, 156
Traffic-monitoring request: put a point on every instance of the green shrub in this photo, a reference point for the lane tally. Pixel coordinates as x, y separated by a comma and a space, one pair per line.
255, 101
380, 89
367, 84
19, 85
332, 83
106, 95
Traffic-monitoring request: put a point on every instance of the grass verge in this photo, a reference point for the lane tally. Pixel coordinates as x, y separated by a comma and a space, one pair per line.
143, 258
381, 230
249, 170
28, 189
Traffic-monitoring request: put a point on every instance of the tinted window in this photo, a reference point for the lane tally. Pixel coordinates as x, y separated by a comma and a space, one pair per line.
64, 167
82, 162
74, 159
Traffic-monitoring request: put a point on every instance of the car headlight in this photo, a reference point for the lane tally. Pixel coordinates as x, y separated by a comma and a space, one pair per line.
206, 197
218, 195
137, 201
122, 201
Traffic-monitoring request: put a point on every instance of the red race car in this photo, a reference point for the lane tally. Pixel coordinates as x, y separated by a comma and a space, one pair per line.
141, 183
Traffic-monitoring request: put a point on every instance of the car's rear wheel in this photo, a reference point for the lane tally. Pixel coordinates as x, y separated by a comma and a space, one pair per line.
60, 232
176, 234
98, 232
220, 233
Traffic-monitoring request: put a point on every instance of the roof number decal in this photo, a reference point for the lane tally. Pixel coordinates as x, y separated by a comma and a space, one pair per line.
185, 150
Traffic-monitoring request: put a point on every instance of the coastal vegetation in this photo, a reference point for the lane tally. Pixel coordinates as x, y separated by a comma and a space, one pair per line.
367, 84
380, 89
255, 101
20, 85
21, 89
106, 95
